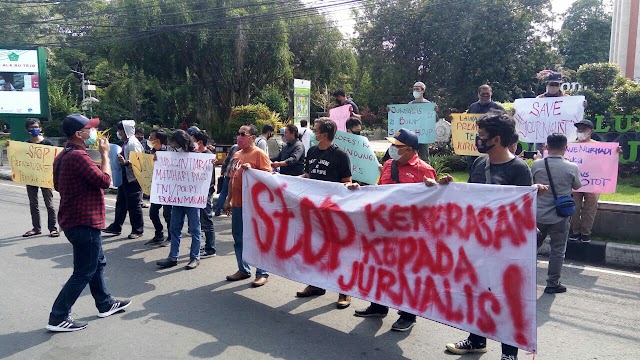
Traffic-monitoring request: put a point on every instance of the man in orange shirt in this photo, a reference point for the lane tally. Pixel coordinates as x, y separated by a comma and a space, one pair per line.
404, 167
249, 156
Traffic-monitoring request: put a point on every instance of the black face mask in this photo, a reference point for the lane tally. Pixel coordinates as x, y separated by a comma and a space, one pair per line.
356, 132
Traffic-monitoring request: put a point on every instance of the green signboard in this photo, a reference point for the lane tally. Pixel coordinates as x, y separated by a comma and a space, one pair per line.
23, 87
301, 100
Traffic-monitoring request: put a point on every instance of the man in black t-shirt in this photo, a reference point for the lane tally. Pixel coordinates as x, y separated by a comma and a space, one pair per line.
484, 103
35, 137
326, 162
341, 99
495, 135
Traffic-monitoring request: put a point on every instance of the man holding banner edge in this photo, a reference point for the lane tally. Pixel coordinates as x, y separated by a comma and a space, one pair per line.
495, 133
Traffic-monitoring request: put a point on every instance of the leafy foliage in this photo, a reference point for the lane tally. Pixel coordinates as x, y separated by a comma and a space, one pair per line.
585, 34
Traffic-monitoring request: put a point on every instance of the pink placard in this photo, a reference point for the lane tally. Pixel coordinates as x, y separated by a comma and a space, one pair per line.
340, 115
598, 164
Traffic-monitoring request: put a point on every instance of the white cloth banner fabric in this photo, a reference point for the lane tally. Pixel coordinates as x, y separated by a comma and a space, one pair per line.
537, 118
181, 179
460, 254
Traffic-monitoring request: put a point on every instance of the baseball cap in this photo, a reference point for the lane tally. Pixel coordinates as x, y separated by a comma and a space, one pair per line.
586, 123
281, 131
77, 122
405, 137
192, 130
555, 77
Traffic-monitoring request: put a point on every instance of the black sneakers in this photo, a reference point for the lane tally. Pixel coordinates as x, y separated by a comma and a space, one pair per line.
111, 230
156, 240
508, 357
574, 237
371, 311
465, 346
113, 307
207, 253
167, 263
66, 325
555, 289
585, 239
403, 324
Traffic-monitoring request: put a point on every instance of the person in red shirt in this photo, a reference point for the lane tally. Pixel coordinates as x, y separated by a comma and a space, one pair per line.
81, 215
405, 166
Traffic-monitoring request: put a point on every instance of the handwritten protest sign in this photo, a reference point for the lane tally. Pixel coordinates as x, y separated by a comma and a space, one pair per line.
538, 118
364, 163
598, 164
419, 118
461, 254
340, 115
181, 179
116, 168
32, 164
142, 165
463, 133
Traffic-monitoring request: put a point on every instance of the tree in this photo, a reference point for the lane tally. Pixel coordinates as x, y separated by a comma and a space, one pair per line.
585, 34
453, 47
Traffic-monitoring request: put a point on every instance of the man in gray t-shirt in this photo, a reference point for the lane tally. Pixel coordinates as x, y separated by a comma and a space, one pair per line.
566, 177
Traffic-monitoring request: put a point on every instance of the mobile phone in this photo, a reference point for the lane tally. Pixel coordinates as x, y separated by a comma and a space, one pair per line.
529, 154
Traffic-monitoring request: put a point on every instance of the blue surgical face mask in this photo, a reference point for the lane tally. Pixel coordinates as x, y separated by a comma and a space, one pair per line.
482, 146
416, 94
118, 135
34, 132
393, 153
93, 137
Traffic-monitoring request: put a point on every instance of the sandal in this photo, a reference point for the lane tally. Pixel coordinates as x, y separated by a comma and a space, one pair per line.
31, 233
54, 234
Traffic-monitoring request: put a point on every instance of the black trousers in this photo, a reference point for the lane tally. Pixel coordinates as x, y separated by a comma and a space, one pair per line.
129, 199
154, 215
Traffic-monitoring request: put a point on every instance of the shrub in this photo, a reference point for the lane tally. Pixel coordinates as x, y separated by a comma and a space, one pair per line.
454, 163
256, 114
272, 98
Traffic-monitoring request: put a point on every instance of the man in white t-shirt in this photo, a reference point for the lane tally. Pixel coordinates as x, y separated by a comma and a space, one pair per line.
305, 135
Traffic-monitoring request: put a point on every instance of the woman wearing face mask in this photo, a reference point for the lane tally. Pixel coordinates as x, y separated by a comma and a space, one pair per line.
35, 137
180, 141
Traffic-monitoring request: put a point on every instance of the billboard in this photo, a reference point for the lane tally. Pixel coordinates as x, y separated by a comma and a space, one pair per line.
22, 87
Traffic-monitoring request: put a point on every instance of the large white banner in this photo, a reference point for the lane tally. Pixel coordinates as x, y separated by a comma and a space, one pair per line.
460, 254
538, 118
181, 179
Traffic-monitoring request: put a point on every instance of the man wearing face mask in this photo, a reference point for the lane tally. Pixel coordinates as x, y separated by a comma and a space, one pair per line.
158, 142
35, 137
482, 106
129, 193
354, 126
249, 156
326, 162
586, 203
404, 167
201, 140
553, 86
496, 132
81, 183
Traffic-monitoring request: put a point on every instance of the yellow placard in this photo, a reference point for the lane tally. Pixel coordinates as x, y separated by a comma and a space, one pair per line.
32, 164
463, 133
142, 165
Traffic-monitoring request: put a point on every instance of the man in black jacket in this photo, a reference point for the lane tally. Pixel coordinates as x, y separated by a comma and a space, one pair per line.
291, 159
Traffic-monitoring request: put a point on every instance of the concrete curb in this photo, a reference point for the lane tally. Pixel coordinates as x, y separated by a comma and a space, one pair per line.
600, 253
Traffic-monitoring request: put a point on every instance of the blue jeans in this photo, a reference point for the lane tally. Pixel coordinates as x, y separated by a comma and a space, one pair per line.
175, 229
88, 268
223, 195
238, 233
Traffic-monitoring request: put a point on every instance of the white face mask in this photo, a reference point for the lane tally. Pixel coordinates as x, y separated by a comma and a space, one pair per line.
416, 94
583, 136
393, 153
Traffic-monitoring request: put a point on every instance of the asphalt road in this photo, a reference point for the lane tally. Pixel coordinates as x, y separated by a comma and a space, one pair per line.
179, 314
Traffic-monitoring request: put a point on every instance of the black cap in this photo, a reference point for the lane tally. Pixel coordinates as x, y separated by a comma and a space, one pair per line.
77, 122
555, 77
405, 137
586, 123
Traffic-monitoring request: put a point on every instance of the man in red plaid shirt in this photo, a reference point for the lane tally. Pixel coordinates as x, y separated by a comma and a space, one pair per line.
81, 215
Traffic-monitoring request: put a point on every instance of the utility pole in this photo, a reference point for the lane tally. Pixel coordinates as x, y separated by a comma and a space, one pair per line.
83, 86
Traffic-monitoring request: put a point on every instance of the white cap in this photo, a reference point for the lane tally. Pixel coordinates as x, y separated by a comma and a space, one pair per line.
420, 84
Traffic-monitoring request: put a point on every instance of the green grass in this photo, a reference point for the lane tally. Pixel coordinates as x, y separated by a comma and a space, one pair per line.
625, 192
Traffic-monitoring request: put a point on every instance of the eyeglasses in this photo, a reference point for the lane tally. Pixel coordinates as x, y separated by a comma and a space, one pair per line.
554, 84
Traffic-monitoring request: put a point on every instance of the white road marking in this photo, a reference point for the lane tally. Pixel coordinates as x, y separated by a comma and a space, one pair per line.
595, 269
